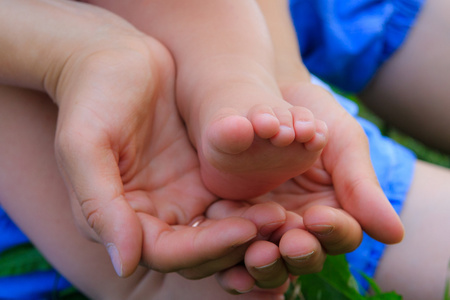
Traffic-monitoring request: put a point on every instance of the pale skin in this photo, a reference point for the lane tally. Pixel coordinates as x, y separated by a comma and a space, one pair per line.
147, 222
227, 94
425, 212
412, 88
47, 218
151, 219
424, 285
41, 217
107, 197
87, 264
149, 15
75, 254
410, 92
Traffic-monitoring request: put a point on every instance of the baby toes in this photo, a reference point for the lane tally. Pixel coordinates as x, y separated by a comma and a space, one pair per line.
264, 121
304, 124
320, 137
286, 133
231, 134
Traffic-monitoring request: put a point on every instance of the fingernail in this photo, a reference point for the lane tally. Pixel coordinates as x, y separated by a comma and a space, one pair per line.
115, 258
244, 292
240, 243
267, 267
321, 229
303, 257
268, 229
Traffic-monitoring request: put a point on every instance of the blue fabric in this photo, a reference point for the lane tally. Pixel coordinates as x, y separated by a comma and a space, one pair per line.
344, 42
37, 285
11, 236
394, 166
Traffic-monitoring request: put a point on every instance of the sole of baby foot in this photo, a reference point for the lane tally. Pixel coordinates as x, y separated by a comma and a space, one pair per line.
236, 163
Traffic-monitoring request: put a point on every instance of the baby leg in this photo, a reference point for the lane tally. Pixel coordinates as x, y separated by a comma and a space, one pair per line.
417, 267
411, 90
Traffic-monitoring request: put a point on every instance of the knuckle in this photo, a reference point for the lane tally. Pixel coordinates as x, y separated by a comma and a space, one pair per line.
93, 215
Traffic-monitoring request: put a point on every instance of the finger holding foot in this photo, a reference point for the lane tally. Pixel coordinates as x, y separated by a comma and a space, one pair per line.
268, 217
212, 246
236, 280
265, 265
301, 251
336, 230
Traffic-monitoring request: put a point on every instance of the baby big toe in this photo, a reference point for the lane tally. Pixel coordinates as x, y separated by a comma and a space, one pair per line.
232, 134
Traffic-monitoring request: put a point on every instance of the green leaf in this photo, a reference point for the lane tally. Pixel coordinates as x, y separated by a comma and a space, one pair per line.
22, 259
71, 294
447, 284
334, 282
377, 291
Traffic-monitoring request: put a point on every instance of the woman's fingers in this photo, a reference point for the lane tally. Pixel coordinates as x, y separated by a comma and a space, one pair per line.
336, 230
301, 252
195, 252
268, 217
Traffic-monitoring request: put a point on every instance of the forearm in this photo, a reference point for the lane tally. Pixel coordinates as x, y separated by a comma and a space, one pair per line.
39, 37
26, 50
199, 32
287, 53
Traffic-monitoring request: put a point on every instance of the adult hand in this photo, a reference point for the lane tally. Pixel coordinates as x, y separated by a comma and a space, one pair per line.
346, 157
347, 164
132, 174
327, 205
316, 225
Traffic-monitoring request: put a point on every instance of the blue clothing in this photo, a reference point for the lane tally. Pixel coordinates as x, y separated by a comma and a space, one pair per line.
394, 167
344, 42
36, 285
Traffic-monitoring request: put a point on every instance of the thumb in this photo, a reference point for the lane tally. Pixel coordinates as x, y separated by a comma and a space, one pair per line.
360, 194
90, 170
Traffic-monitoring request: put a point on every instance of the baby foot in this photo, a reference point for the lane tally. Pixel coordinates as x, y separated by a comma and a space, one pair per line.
246, 155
